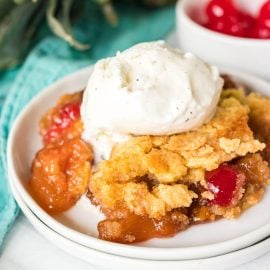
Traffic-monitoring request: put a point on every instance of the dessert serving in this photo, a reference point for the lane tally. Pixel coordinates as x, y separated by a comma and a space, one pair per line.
159, 141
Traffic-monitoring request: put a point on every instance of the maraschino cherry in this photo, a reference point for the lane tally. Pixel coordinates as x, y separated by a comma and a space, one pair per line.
222, 182
67, 114
262, 28
225, 17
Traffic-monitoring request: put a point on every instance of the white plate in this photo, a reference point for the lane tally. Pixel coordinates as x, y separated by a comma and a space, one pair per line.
108, 261
79, 223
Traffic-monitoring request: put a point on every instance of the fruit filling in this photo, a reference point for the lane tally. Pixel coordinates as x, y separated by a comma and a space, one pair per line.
157, 186
134, 228
60, 175
62, 122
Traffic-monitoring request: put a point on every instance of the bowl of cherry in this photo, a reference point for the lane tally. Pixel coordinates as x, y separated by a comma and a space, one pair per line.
229, 33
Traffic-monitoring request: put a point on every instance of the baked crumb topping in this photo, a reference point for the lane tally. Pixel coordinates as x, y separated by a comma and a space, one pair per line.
172, 163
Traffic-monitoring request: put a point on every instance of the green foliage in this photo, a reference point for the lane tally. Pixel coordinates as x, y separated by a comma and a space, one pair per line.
20, 20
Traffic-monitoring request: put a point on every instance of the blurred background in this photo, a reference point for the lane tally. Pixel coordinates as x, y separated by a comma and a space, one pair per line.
24, 22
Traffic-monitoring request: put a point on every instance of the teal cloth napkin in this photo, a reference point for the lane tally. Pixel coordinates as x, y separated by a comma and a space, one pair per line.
52, 58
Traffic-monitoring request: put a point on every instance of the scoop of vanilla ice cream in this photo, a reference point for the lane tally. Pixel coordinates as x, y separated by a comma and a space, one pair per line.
149, 89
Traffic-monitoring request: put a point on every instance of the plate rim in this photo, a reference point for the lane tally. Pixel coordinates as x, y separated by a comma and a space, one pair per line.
41, 227
116, 248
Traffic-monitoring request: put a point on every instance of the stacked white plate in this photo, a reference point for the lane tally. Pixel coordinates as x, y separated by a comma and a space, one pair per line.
221, 244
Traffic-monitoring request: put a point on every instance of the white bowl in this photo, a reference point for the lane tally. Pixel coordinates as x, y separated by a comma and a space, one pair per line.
108, 261
79, 223
250, 55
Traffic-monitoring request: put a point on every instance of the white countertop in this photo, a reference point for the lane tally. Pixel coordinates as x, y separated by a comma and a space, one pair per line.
25, 249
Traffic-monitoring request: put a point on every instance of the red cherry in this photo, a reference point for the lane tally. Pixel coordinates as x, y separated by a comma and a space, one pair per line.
217, 25
230, 26
235, 27
67, 114
264, 15
247, 22
241, 25
222, 182
217, 9
260, 32
225, 18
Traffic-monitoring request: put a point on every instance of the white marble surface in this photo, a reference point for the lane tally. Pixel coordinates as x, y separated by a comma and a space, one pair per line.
26, 249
